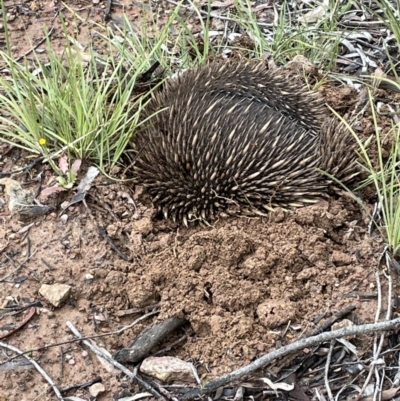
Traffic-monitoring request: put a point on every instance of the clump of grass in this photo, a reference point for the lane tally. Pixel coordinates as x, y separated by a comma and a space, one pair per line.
82, 104
288, 37
79, 104
175, 47
69, 105
384, 174
246, 18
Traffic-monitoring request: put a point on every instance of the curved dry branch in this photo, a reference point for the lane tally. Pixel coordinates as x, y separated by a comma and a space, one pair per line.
296, 346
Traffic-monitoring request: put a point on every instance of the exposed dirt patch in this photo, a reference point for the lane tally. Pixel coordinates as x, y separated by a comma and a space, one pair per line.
239, 282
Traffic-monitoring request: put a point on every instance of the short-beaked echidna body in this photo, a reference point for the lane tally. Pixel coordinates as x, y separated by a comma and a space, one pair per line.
238, 133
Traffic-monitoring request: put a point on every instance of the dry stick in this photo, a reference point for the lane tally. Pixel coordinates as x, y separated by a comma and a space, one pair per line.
103, 233
31, 313
36, 46
296, 346
16, 268
212, 15
378, 389
326, 373
148, 339
130, 374
169, 347
62, 364
337, 316
37, 366
81, 385
390, 287
118, 332
22, 169
107, 11
376, 348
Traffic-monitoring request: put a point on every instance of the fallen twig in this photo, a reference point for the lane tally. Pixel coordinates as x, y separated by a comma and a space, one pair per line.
126, 312
37, 44
81, 385
129, 373
20, 308
16, 268
119, 331
31, 313
103, 233
169, 347
326, 372
147, 340
337, 316
37, 366
288, 349
24, 170
213, 15
107, 11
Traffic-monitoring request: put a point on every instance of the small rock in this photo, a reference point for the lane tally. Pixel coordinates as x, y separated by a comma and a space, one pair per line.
99, 317
168, 369
342, 324
56, 294
18, 197
10, 17
96, 389
89, 277
64, 205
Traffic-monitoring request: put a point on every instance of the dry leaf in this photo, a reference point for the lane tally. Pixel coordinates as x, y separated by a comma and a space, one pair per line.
76, 165
51, 190
63, 164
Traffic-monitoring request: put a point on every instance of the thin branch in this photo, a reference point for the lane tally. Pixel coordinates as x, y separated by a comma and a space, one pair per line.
339, 315
97, 379
37, 366
129, 373
213, 15
376, 348
326, 373
118, 332
288, 349
36, 46
16, 268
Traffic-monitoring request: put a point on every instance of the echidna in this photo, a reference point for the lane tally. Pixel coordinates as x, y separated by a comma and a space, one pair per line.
238, 133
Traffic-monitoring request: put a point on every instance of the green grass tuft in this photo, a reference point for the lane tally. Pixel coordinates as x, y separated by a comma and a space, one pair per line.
384, 175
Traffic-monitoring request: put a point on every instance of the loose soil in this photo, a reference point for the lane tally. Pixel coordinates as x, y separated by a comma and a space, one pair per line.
246, 285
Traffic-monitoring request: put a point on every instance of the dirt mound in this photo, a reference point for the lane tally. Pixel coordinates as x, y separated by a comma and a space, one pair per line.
239, 283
